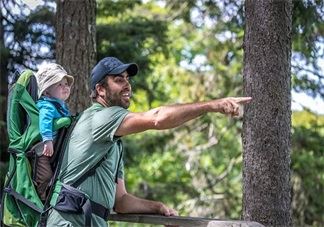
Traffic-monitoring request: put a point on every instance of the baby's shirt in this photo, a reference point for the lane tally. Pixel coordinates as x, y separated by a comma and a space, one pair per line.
50, 109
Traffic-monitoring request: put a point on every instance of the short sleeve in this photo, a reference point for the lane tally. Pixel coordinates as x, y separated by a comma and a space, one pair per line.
106, 122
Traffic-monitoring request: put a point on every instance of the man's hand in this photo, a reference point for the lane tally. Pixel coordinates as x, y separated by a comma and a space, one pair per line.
167, 211
232, 106
48, 148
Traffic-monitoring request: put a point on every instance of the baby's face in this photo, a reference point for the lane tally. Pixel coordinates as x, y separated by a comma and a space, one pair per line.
60, 90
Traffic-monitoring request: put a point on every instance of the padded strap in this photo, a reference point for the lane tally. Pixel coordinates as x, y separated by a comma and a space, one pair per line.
13, 151
90, 172
86, 208
100, 210
90, 207
63, 139
22, 199
32, 88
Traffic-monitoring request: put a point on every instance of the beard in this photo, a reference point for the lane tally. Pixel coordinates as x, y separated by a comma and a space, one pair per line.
116, 99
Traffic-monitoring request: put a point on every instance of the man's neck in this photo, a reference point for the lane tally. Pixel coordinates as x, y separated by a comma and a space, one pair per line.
102, 101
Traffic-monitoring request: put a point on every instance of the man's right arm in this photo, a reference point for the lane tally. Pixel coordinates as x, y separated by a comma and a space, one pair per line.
127, 203
166, 117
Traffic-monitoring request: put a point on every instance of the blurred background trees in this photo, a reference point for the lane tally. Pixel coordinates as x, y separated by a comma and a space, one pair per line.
187, 51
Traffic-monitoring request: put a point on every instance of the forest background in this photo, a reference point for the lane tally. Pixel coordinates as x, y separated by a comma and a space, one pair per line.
187, 51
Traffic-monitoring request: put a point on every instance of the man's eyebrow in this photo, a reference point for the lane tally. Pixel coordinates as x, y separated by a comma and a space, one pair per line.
121, 75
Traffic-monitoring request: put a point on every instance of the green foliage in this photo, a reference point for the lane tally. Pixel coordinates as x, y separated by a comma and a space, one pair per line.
111, 8
308, 27
190, 51
29, 34
308, 169
132, 37
197, 168
308, 38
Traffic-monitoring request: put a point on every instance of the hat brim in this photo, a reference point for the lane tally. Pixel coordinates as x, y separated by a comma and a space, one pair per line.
70, 79
60, 77
130, 68
55, 80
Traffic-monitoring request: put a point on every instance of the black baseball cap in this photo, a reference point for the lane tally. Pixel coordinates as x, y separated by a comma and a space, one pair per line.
111, 66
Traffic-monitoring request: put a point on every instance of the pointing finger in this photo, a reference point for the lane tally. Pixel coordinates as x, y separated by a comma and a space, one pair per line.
242, 100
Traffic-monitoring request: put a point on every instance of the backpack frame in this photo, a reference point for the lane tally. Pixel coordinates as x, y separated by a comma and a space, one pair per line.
20, 203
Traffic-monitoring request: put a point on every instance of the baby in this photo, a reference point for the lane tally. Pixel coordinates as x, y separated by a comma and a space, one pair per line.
54, 86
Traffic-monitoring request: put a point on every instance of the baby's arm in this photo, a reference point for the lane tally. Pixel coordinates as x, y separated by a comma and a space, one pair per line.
46, 117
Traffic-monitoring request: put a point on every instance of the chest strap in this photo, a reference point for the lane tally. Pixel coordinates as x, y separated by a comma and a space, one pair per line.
73, 200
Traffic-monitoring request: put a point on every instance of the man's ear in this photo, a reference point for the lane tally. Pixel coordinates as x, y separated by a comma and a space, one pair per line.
101, 90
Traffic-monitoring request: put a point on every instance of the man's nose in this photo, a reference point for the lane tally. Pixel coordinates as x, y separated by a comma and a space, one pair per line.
127, 82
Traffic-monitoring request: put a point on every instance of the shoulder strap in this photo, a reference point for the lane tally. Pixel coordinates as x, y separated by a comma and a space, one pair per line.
89, 173
32, 88
66, 135
90, 207
92, 171
63, 145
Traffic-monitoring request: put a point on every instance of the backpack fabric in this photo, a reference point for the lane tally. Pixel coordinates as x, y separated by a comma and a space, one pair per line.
21, 205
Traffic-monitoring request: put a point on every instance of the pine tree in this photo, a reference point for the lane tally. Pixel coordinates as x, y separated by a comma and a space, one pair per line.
267, 121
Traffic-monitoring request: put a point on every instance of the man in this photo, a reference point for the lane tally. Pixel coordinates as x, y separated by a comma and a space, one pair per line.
96, 138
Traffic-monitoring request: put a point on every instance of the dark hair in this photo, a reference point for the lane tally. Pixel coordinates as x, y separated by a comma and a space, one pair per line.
94, 93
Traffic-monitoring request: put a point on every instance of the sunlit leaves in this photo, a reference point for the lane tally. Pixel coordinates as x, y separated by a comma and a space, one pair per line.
191, 51
308, 166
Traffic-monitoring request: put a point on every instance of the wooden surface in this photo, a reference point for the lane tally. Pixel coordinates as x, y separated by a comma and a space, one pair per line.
180, 221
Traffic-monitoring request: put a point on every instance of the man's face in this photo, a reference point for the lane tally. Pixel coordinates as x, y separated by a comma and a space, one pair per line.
118, 91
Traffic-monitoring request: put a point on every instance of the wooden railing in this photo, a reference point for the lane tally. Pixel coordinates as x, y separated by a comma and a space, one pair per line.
180, 221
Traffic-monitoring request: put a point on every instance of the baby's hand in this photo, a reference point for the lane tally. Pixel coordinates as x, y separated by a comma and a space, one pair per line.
48, 148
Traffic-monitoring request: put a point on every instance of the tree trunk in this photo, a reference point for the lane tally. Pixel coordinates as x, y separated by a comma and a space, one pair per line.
76, 46
4, 53
267, 120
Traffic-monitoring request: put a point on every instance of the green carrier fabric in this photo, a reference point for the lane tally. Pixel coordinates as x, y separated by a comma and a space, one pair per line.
21, 205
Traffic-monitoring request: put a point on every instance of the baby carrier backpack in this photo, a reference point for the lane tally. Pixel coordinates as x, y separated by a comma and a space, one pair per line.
20, 203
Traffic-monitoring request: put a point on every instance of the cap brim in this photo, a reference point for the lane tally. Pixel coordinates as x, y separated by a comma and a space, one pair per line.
131, 69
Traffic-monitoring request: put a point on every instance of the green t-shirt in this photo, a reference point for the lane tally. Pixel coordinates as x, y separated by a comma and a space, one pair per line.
91, 141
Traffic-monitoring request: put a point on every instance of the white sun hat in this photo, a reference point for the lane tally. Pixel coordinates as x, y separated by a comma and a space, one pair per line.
50, 74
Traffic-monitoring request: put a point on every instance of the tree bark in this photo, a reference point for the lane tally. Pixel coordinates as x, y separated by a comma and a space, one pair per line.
76, 46
267, 121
